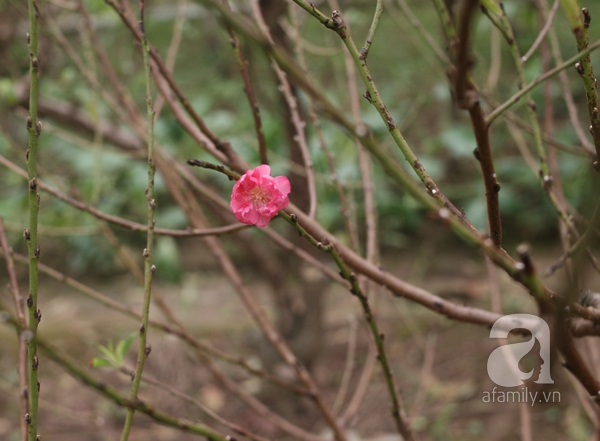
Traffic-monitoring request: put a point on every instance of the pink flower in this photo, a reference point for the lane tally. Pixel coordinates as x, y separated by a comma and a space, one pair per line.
257, 196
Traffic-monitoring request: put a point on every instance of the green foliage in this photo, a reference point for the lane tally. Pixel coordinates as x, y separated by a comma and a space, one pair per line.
114, 356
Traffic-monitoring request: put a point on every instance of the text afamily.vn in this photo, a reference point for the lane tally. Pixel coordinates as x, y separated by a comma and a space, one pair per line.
523, 395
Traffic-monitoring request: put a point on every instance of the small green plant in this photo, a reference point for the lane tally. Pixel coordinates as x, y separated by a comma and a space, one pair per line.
114, 356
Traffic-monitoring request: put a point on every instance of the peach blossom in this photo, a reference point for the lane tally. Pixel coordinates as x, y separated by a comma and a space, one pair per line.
257, 196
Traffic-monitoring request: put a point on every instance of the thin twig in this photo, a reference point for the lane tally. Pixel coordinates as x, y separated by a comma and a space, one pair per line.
524, 125
364, 160
197, 404
71, 366
364, 51
495, 60
292, 105
573, 360
416, 23
98, 144
362, 385
373, 96
295, 431
348, 366
390, 164
34, 128
548, 126
348, 220
527, 88
545, 175
173, 48
543, 32
13, 285
398, 414
566, 90
162, 71
250, 94
88, 74
149, 268
579, 20
134, 226
401, 288
122, 93
286, 244
14, 289
192, 209
582, 243
467, 97
203, 347
425, 376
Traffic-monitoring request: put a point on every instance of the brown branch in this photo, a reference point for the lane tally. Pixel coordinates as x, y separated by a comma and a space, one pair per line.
349, 223
257, 406
364, 160
173, 47
197, 404
557, 313
467, 97
122, 94
249, 91
361, 387
196, 217
13, 285
567, 92
133, 226
296, 119
193, 342
543, 32
14, 289
222, 146
75, 117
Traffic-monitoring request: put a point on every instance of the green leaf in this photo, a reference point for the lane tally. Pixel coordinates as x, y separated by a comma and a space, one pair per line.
109, 354
100, 362
123, 347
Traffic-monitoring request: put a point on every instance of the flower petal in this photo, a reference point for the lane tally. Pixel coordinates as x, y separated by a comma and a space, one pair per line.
263, 170
283, 184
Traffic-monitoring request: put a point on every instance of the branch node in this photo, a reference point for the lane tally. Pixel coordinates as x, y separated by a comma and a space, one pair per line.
587, 18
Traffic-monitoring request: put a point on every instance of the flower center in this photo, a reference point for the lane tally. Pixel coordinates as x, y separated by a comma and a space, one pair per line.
259, 197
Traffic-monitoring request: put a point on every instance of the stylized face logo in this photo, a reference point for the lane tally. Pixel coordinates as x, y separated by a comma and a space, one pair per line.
503, 362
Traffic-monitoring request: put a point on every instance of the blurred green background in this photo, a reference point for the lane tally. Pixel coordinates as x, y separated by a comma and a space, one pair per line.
410, 77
